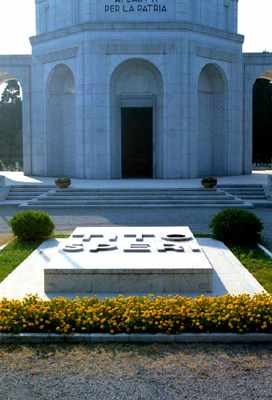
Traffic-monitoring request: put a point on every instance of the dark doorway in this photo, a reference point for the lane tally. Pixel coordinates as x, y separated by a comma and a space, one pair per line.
137, 142
262, 122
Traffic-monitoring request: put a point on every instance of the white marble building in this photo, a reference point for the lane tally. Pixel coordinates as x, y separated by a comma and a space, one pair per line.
137, 88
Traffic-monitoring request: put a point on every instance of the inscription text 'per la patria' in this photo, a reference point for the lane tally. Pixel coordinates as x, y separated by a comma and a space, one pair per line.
135, 6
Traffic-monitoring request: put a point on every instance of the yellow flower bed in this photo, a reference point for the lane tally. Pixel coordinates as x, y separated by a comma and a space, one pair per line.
171, 315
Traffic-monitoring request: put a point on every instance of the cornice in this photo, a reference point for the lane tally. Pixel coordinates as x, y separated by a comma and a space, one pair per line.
216, 54
57, 55
136, 26
16, 60
264, 58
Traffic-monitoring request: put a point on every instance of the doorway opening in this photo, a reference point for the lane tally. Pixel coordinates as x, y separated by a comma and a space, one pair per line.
137, 142
262, 121
11, 123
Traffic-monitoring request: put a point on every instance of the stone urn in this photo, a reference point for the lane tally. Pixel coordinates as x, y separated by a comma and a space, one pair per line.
209, 182
63, 183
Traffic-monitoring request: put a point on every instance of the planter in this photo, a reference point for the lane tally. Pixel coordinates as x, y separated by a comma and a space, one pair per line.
63, 183
209, 183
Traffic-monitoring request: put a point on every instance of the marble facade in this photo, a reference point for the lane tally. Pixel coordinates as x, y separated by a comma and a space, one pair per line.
182, 59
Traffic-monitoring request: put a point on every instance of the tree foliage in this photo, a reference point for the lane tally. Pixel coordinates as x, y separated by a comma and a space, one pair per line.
11, 93
11, 124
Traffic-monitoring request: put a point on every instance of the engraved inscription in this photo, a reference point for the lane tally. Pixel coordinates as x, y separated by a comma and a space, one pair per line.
138, 9
135, 242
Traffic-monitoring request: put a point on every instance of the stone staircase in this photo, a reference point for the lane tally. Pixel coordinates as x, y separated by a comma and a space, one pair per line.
24, 193
129, 198
254, 194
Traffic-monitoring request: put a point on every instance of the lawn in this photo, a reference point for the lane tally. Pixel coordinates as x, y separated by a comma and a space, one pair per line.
256, 261
16, 252
13, 255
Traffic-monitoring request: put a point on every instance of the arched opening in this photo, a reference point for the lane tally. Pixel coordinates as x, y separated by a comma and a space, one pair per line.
11, 123
61, 139
212, 134
262, 120
136, 120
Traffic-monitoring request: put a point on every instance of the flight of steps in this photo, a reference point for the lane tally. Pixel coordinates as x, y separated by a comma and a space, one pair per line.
254, 194
140, 198
24, 193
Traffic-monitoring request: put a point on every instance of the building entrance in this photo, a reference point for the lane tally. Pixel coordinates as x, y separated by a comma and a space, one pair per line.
137, 142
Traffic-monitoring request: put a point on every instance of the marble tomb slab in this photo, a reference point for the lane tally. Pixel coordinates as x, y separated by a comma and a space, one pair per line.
129, 259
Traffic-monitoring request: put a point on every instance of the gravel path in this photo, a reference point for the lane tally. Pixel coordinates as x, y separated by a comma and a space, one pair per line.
159, 372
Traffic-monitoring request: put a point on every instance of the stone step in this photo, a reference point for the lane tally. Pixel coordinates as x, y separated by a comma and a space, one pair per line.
139, 195
12, 190
253, 191
18, 194
134, 192
131, 197
26, 192
142, 198
21, 198
138, 206
121, 203
249, 196
30, 192
246, 192
244, 189
250, 185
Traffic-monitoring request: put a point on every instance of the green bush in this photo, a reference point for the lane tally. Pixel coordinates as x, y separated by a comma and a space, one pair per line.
236, 226
30, 226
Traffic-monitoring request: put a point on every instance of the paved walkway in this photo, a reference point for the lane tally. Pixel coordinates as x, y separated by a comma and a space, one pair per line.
18, 178
198, 219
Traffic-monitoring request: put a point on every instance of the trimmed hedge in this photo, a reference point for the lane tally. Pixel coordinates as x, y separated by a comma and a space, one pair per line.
235, 226
171, 315
31, 225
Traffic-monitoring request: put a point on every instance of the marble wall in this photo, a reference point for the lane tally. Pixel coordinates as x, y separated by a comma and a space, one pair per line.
186, 62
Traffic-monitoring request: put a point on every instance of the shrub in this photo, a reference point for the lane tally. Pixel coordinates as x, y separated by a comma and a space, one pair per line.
32, 225
236, 226
170, 315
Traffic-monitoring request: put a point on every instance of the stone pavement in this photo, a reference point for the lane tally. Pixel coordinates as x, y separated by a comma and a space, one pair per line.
18, 178
197, 218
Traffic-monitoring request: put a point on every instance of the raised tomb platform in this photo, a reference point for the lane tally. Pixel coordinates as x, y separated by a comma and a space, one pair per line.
129, 260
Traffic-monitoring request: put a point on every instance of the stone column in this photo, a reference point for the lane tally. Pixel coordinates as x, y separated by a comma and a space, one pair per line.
269, 185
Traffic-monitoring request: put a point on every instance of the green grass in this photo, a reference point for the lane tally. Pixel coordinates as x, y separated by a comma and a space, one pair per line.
16, 252
256, 261
13, 255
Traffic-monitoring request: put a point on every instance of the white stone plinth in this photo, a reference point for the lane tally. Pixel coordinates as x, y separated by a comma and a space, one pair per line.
129, 260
